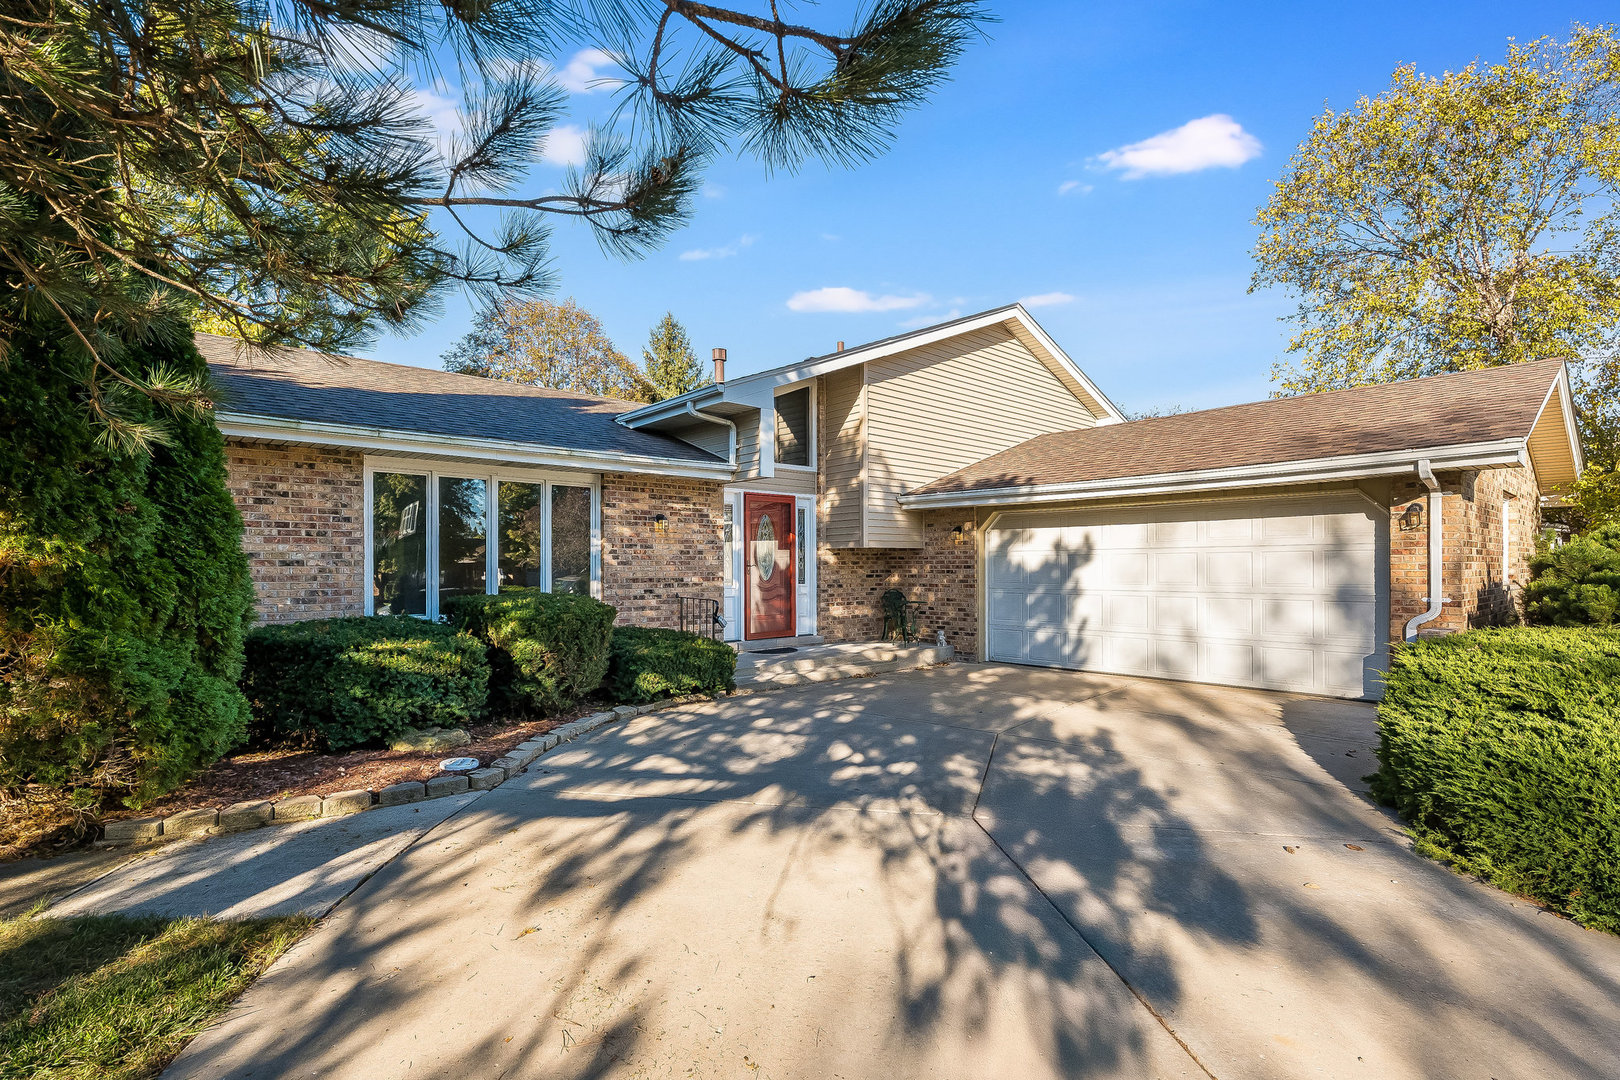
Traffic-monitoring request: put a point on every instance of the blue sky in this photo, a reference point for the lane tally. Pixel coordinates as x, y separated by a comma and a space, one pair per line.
1039, 172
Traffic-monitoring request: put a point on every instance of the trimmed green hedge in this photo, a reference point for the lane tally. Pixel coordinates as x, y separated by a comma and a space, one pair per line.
547, 651
1502, 749
648, 663
1577, 584
348, 682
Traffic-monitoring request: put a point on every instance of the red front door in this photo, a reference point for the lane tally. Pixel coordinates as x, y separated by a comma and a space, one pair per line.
772, 577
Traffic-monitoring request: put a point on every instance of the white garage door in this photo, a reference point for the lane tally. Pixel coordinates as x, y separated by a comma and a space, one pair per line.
1283, 594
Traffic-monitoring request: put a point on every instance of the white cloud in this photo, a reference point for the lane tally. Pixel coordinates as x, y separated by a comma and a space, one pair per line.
1047, 299
564, 145
724, 252
582, 74
840, 298
713, 191
1210, 142
1074, 187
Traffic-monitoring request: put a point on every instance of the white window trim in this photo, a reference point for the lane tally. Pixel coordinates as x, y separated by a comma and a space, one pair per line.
811, 410
433, 469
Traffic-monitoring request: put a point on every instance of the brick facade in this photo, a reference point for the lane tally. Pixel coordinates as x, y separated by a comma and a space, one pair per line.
303, 527
1472, 537
943, 574
644, 566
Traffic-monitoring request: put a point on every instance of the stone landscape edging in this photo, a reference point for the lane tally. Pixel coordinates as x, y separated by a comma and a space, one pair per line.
256, 813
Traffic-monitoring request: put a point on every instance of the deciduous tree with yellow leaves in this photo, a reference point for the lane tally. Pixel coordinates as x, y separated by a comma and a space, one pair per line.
1463, 220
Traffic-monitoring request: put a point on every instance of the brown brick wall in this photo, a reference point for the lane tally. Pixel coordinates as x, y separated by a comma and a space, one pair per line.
303, 519
643, 569
1473, 549
943, 574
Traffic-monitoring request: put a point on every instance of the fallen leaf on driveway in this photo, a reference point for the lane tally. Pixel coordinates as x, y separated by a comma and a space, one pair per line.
1312, 885
1355, 847
1290, 850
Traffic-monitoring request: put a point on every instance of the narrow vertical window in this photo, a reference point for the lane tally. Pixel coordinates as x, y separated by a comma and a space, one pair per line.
399, 530
522, 540
798, 538
727, 538
463, 537
570, 539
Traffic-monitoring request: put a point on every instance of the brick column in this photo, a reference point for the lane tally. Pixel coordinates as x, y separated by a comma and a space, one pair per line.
645, 566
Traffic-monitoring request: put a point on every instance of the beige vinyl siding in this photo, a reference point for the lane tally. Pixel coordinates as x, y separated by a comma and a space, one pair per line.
785, 482
748, 445
844, 404
934, 409
715, 438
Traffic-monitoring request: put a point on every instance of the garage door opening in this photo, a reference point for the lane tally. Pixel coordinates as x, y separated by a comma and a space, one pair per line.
1280, 594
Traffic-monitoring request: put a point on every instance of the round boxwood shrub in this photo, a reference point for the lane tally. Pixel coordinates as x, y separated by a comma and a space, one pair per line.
124, 592
547, 651
1502, 749
1577, 583
648, 663
349, 682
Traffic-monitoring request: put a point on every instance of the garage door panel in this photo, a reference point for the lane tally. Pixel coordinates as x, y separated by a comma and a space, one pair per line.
1288, 569
1228, 616
1175, 614
1175, 569
1230, 569
1175, 657
1283, 594
1294, 618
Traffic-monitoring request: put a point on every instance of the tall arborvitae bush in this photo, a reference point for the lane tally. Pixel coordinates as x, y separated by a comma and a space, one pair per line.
124, 592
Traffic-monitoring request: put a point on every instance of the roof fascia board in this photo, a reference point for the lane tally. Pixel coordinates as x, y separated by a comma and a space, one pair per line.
1499, 453
671, 408
281, 429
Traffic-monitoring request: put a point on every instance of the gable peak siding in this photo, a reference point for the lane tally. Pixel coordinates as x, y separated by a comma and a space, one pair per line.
941, 407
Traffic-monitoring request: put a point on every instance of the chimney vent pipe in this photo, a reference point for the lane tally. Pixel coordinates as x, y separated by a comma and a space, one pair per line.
719, 366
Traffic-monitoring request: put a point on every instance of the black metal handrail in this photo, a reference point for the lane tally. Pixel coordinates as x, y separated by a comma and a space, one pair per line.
701, 616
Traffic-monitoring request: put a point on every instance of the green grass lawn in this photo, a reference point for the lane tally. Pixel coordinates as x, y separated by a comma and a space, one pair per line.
114, 997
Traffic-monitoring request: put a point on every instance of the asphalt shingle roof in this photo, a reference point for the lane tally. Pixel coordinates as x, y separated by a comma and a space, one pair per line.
1442, 410
299, 384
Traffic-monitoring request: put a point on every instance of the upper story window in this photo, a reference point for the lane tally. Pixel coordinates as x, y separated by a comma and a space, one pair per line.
432, 536
793, 437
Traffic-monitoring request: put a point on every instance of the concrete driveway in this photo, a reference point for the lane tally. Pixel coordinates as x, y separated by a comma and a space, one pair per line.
972, 871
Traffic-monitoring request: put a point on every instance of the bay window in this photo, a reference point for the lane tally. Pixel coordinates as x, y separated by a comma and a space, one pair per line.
433, 535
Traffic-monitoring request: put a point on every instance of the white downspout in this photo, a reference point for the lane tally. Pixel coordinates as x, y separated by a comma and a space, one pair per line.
1436, 553
731, 456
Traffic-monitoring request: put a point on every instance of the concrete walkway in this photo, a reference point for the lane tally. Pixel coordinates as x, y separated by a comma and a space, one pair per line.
968, 871
303, 868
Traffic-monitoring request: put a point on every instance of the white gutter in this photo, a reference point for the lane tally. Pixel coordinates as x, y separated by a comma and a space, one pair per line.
1436, 601
1501, 452
389, 440
731, 454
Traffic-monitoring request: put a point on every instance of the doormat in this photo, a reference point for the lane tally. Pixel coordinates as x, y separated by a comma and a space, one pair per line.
775, 652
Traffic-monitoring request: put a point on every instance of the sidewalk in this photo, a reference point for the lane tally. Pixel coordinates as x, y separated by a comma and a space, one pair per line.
282, 870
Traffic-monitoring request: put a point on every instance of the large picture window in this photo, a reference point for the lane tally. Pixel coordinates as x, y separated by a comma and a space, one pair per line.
432, 536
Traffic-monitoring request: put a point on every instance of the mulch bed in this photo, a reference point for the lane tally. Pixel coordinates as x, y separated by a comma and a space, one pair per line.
280, 774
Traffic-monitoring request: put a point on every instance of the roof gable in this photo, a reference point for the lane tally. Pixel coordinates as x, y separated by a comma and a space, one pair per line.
756, 388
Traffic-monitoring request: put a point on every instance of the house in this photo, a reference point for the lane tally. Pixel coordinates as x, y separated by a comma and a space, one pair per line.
1280, 544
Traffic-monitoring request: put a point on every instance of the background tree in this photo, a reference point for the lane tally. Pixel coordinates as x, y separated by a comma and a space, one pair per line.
1461, 221
542, 343
671, 366
268, 166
